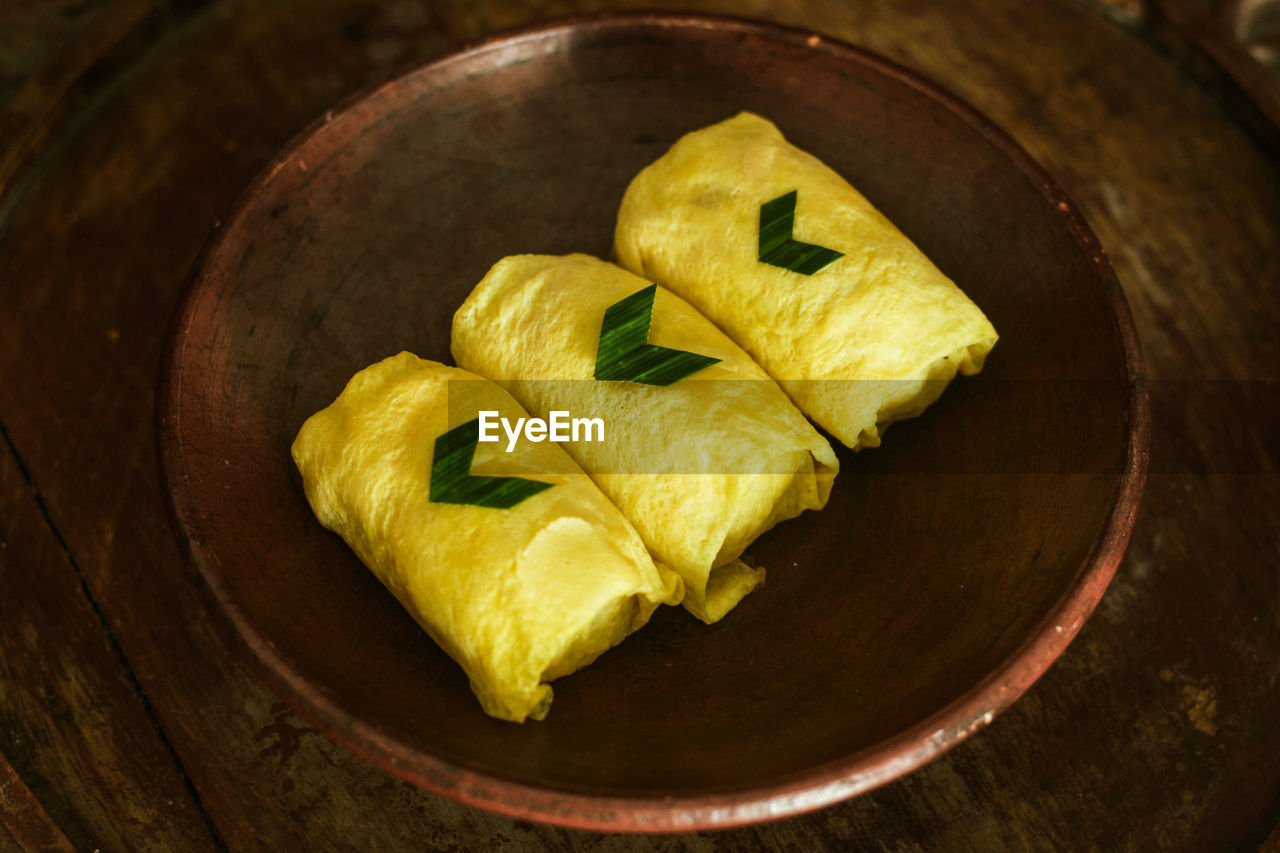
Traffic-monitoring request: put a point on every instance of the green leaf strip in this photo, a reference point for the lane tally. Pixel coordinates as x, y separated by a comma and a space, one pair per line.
777, 221
625, 354
453, 483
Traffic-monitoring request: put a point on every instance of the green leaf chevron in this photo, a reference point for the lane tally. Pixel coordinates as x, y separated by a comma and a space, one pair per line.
625, 353
453, 483
777, 220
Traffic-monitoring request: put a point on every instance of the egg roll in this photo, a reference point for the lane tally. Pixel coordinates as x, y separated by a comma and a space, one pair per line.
701, 467
517, 596
870, 337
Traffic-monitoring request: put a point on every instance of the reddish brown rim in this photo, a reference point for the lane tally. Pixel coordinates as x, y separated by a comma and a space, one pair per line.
823, 785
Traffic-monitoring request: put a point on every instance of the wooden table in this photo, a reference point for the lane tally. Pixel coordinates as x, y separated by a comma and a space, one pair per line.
129, 719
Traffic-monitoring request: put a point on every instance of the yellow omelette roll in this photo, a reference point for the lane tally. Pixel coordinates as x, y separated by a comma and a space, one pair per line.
517, 596
871, 337
701, 467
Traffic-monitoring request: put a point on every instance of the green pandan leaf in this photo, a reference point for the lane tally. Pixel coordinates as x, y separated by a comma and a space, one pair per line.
453, 483
777, 221
625, 354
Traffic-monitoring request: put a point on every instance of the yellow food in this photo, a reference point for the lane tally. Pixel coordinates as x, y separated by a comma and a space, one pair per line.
519, 596
701, 467
872, 338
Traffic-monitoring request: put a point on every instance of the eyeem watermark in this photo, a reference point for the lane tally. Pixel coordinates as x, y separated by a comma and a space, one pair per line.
560, 427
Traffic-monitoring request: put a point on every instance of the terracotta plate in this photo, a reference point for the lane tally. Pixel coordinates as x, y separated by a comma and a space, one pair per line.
952, 565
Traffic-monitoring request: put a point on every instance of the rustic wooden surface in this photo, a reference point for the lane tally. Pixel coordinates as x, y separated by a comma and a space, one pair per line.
130, 720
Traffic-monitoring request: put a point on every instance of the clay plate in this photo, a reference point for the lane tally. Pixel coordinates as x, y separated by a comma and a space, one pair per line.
952, 565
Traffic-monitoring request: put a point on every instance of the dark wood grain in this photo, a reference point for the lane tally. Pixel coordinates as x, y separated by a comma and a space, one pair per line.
1156, 730
81, 762
48, 51
1235, 44
23, 821
1272, 844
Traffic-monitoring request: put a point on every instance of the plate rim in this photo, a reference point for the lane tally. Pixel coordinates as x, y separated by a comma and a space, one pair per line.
821, 786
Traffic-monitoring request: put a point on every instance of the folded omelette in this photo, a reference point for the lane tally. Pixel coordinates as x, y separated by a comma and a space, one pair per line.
701, 466
856, 324
518, 596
